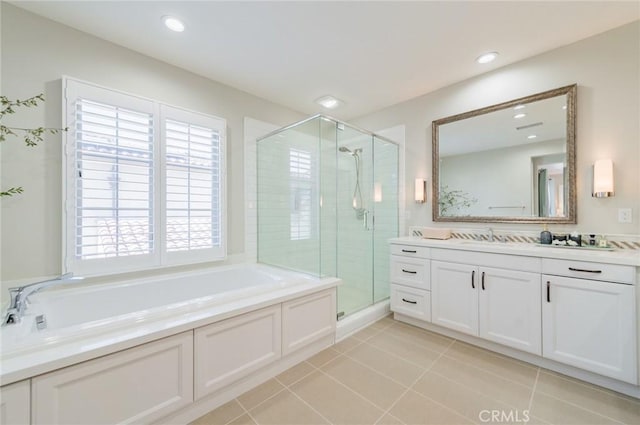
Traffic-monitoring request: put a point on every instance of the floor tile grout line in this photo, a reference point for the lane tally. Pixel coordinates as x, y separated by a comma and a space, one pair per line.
309, 406
244, 411
409, 388
263, 401
448, 378
533, 391
391, 378
351, 390
591, 386
407, 339
582, 407
403, 358
489, 370
313, 369
443, 405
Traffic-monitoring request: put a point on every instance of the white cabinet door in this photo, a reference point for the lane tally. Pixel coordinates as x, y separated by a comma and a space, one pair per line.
454, 296
510, 308
15, 403
231, 349
590, 325
307, 319
139, 385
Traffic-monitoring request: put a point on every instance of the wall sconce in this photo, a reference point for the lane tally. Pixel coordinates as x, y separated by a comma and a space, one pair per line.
602, 178
420, 191
377, 192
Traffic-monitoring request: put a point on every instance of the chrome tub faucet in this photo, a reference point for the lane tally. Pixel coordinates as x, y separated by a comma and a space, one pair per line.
20, 296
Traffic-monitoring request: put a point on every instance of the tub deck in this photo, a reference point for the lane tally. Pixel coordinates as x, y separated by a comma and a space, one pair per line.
85, 322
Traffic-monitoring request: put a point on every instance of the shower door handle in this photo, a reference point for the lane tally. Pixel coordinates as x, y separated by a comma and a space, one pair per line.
365, 220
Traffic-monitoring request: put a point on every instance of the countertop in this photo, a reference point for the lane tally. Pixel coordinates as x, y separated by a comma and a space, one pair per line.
627, 257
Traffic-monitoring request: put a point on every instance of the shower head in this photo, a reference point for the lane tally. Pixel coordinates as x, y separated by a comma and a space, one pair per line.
354, 152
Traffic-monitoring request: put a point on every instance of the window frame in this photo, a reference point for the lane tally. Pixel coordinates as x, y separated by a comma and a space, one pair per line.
73, 89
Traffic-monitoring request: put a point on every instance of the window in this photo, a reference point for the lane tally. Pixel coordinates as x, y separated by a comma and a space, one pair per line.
301, 186
144, 183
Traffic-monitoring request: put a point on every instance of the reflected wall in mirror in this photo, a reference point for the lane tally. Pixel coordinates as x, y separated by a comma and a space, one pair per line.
512, 162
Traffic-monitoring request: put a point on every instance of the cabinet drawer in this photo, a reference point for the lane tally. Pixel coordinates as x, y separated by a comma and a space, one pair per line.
411, 302
410, 251
588, 270
414, 272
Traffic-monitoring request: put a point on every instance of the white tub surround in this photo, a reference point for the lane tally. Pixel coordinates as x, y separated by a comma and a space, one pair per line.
198, 339
567, 309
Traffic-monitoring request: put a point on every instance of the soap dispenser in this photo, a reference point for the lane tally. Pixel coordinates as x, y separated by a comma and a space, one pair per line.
545, 236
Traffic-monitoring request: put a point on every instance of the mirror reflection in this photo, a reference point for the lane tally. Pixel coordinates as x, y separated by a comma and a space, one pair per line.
510, 162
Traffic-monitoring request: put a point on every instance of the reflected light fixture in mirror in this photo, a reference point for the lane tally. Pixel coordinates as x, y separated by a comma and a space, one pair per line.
420, 191
603, 178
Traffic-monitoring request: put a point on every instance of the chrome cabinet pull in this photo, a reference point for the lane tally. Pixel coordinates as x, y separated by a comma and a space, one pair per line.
409, 251
410, 302
409, 271
483, 281
584, 270
473, 278
548, 291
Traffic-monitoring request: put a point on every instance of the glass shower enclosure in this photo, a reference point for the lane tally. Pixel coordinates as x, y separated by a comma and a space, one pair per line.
328, 204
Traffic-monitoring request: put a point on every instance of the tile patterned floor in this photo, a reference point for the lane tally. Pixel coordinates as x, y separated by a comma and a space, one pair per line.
392, 373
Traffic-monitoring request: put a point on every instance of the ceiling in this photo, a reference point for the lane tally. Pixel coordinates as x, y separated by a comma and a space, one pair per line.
368, 54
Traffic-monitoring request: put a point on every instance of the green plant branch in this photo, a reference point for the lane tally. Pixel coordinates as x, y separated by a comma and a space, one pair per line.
11, 191
30, 136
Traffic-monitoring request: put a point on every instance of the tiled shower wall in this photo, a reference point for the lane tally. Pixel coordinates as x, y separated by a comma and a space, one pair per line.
357, 254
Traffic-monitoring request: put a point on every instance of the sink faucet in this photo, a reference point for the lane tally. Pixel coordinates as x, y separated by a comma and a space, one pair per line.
490, 234
20, 296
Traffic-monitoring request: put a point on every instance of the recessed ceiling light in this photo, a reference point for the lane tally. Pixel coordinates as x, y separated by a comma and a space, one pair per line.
519, 107
487, 57
520, 115
174, 24
531, 136
329, 102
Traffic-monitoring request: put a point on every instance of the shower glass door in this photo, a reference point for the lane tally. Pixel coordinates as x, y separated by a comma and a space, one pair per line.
385, 208
354, 219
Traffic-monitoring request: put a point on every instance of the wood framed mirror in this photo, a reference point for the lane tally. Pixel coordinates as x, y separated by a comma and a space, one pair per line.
513, 162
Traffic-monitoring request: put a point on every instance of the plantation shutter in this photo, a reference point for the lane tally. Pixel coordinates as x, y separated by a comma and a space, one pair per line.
192, 186
114, 181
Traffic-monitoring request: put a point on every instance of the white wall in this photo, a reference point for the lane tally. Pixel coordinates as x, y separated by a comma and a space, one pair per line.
35, 54
606, 68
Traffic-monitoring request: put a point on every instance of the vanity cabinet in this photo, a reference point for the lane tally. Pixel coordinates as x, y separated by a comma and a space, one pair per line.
499, 305
411, 281
574, 310
589, 318
15, 403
